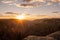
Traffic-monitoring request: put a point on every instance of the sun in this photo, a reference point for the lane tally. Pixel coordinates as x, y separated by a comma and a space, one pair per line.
21, 17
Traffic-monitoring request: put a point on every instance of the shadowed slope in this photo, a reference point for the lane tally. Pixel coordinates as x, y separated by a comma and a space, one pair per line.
13, 29
55, 35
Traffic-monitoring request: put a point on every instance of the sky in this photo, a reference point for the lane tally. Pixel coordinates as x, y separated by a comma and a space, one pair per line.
34, 8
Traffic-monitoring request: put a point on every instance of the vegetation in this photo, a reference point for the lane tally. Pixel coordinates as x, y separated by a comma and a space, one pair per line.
13, 29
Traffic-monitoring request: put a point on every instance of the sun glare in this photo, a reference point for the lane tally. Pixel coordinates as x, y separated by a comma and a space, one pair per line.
21, 17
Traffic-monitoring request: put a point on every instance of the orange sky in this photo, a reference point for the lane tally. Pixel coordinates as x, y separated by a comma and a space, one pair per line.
28, 17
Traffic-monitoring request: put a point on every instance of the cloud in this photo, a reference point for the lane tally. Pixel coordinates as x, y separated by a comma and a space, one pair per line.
28, 14
38, 0
49, 3
55, 0
34, 4
29, 3
23, 3
31, 0
8, 1
55, 12
11, 13
27, 0
59, 3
